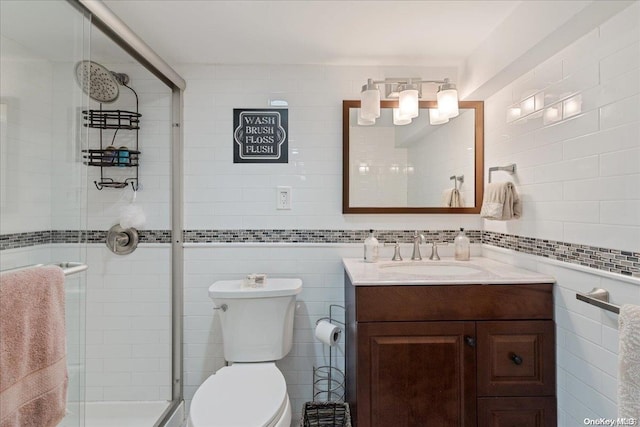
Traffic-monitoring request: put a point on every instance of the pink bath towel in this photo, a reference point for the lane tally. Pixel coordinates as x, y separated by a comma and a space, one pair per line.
33, 365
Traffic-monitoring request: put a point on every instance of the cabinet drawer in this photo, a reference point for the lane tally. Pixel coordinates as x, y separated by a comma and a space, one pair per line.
516, 358
458, 302
517, 411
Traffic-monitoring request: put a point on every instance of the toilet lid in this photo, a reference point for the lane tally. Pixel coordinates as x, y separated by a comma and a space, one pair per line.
241, 395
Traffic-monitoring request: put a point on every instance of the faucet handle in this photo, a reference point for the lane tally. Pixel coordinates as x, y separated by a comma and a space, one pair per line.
434, 250
396, 252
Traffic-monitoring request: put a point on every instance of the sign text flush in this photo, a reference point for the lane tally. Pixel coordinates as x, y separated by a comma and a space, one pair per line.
260, 135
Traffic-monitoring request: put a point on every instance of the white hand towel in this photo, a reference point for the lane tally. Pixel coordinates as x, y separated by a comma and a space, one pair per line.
501, 202
452, 198
629, 362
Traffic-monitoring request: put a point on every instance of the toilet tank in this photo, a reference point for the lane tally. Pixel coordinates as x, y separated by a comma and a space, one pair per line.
257, 324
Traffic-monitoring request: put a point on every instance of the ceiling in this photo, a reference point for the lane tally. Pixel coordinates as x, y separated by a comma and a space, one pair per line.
434, 33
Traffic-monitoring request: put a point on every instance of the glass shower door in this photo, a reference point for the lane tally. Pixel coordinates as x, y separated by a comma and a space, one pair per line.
43, 202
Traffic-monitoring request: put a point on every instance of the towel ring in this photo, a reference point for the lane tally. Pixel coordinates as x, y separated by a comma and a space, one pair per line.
509, 168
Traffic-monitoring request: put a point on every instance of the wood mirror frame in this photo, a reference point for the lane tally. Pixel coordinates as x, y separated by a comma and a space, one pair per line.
478, 106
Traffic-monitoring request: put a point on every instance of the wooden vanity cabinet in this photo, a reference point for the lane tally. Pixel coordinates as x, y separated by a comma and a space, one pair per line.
451, 355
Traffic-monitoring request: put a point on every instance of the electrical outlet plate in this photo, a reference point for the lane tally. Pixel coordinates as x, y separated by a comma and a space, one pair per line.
283, 197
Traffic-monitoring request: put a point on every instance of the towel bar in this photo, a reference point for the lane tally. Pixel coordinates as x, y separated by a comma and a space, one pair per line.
509, 168
459, 178
600, 298
68, 268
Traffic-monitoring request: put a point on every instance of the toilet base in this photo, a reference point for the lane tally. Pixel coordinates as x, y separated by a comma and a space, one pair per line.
284, 421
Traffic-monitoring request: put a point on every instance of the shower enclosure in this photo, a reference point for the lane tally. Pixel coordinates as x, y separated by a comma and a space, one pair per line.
57, 201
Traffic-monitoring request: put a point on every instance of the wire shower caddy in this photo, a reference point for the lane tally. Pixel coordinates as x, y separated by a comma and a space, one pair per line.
110, 156
328, 380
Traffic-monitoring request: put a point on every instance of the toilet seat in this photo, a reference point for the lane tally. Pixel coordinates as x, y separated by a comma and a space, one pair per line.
241, 395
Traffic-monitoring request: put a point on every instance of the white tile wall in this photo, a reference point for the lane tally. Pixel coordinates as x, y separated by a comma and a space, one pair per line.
579, 181
578, 177
220, 194
68, 176
26, 84
128, 324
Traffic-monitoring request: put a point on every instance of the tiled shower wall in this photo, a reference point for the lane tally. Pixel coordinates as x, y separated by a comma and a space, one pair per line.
128, 325
25, 143
578, 173
129, 297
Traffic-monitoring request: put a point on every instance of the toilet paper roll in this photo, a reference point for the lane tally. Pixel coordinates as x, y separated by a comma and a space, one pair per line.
327, 332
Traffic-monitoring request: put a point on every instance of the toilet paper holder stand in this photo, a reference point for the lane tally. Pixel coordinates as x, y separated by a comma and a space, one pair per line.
328, 380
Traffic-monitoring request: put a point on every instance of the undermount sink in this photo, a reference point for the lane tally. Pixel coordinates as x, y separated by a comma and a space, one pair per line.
430, 269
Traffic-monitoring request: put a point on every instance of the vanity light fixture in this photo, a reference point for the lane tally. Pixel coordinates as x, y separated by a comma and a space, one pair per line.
434, 117
408, 92
408, 100
364, 122
370, 98
399, 119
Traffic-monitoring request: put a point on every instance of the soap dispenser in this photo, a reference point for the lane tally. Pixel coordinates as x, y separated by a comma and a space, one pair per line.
371, 248
462, 246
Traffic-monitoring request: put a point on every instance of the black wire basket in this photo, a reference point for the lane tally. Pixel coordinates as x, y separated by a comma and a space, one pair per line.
325, 414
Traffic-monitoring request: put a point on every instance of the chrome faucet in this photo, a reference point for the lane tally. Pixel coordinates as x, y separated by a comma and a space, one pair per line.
417, 239
396, 252
434, 250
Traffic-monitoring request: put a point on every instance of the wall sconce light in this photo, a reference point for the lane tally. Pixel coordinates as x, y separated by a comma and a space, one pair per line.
572, 106
364, 122
399, 119
552, 114
528, 106
370, 101
513, 113
408, 101
448, 100
408, 92
434, 117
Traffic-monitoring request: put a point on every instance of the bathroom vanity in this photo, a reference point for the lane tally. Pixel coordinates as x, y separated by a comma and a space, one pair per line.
445, 343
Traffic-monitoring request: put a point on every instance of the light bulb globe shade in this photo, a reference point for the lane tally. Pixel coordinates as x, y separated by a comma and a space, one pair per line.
399, 119
448, 103
408, 103
364, 122
370, 103
435, 118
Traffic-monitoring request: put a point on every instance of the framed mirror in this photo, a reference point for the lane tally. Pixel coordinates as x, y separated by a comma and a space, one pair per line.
412, 168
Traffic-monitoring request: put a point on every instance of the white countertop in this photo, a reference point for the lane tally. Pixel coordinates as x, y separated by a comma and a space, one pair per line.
479, 271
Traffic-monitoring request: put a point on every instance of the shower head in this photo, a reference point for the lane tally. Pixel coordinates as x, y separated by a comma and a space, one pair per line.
98, 82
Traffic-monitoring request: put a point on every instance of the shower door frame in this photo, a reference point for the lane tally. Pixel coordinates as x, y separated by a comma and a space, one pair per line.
114, 28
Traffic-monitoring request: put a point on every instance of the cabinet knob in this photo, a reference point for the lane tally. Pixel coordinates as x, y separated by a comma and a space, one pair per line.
471, 342
515, 359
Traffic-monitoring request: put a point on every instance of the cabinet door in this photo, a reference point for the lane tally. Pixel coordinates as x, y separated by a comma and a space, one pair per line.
416, 374
516, 358
517, 412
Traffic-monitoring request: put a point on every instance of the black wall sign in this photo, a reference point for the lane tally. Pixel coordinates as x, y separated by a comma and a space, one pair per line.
260, 135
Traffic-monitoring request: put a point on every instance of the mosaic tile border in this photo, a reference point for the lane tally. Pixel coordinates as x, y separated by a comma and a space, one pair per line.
23, 240
318, 236
612, 260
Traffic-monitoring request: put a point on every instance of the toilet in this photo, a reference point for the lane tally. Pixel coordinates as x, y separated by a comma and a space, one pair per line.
257, 330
